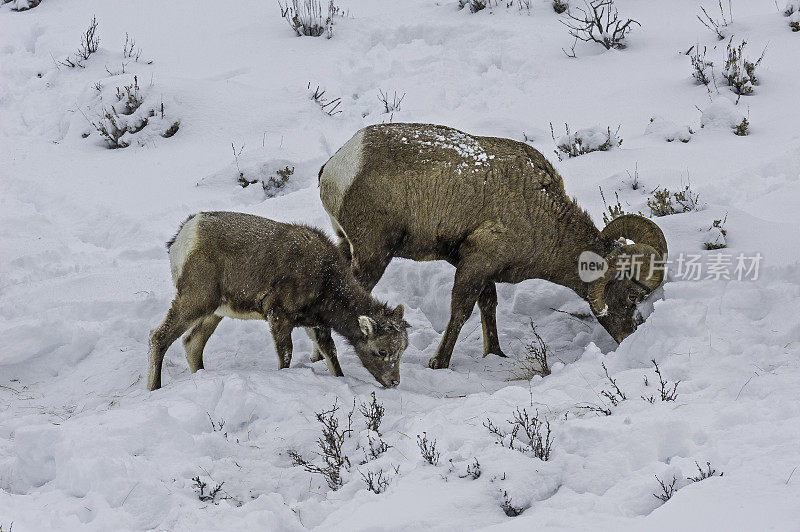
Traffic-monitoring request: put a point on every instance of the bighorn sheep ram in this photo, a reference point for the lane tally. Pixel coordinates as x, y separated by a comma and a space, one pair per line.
494, 208
248, 267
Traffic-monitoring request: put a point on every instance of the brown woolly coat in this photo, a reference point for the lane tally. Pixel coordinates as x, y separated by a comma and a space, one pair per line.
446, 186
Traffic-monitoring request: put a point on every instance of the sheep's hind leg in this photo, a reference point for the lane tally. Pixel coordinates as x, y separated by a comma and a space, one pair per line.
195, 340
369, 270
181, 316
281, 328
370, 259
324, 347
344, 247
487, 304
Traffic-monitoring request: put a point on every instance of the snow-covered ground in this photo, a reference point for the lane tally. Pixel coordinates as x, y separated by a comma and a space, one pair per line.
84, 275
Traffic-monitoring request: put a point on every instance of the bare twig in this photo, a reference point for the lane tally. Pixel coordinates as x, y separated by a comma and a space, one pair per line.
428, 449
535, 431
129, 50
704, 473
331, 107
377, 483
667, 490
306, 18
390, 105
666, 393
717, 26
373, 411
330, 444
599, 23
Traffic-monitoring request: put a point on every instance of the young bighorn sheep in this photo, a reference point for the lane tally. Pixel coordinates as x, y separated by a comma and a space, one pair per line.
248, 267
494, 208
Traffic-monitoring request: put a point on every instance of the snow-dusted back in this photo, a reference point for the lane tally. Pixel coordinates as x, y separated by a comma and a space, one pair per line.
467, 147
84, 275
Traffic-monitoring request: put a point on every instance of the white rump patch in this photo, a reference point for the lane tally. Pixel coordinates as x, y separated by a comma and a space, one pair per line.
339, 172
185, 242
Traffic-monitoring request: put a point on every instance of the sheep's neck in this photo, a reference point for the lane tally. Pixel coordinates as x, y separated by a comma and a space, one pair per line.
579, 235
347, 301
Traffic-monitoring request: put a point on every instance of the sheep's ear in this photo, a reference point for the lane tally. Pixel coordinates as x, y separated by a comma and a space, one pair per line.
399, 311
367, 325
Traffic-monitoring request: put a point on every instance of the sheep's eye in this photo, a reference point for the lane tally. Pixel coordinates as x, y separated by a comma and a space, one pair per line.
632, 298
382, 353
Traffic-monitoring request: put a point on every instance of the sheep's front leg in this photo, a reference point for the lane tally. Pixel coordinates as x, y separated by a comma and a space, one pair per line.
324, 348
473, 272
281, 328
468, 284
487, 304
316, 354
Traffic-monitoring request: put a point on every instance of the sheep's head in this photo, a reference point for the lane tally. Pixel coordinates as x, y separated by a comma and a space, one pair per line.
634, 270
382, 344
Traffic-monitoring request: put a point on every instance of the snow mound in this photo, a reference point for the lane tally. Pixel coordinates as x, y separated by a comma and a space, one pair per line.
22, 5
722, 113
595, 138
122, 113
716, 235
668, 130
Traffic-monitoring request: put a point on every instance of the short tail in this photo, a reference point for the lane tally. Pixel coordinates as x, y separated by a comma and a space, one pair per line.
319, 175
175, 236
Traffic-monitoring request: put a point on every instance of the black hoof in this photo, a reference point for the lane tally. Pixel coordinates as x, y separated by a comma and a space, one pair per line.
435, 363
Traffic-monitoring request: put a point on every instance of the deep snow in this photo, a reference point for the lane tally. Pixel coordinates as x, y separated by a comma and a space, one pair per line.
84, 275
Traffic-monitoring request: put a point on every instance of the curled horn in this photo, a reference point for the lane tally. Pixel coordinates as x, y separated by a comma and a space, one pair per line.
637, 228
637, 260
